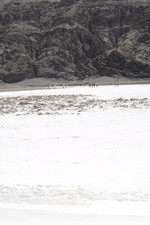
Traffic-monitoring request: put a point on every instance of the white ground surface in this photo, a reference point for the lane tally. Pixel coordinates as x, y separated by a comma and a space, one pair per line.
83, 163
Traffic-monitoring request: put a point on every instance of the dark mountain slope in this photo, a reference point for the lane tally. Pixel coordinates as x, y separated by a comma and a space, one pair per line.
74, 39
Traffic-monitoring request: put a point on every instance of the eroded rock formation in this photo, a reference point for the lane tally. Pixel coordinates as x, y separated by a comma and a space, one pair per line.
74, 39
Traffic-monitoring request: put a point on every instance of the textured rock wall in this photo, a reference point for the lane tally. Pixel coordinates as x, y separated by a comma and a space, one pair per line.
74, 39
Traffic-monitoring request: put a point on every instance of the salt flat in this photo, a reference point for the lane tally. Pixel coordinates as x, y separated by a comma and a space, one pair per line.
89, 155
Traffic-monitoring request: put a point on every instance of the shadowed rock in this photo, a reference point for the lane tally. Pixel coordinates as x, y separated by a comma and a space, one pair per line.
74, 39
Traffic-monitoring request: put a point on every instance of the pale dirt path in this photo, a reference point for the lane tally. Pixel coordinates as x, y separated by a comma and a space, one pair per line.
42, 83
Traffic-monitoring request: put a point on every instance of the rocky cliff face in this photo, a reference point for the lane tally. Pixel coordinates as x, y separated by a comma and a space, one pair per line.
74, 39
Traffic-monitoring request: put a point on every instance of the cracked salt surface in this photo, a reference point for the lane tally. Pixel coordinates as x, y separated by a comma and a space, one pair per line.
68, 104
76, 147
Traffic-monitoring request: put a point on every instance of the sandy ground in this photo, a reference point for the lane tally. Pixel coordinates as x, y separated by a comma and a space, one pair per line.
43, 83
